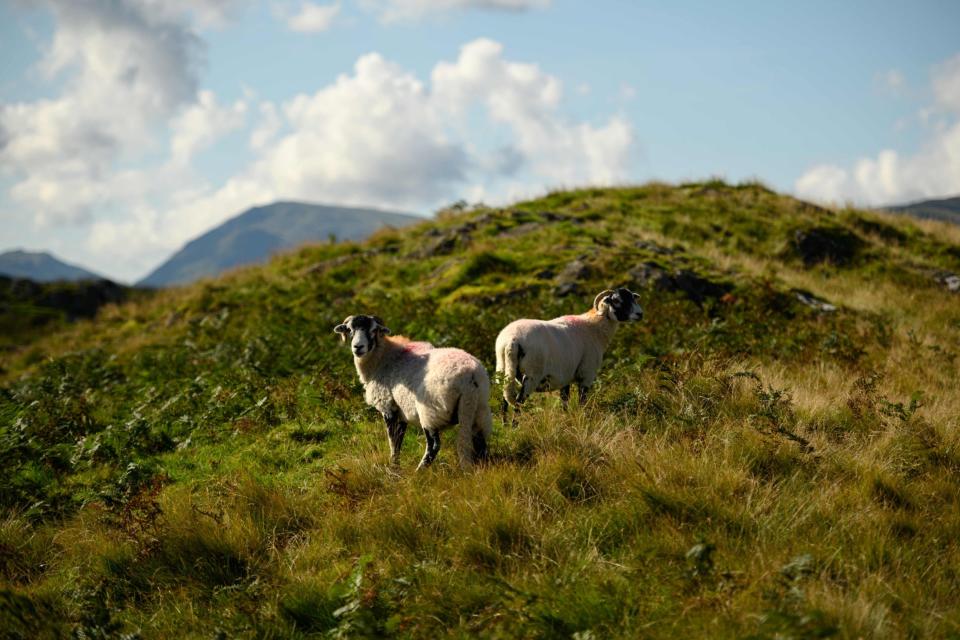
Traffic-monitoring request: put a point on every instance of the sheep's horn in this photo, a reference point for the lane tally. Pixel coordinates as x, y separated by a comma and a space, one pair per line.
600, 296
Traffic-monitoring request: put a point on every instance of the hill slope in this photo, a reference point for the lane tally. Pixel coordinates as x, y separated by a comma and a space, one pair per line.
258, 233
29, 309
773, 452
40, 266
945, 209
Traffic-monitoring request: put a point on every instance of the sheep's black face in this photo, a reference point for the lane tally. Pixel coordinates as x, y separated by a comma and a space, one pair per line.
624, 305
364, 332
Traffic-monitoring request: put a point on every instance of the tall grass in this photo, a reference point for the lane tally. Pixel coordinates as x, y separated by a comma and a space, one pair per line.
201, 463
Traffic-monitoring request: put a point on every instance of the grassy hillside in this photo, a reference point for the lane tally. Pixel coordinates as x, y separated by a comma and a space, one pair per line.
754, 462
29, 309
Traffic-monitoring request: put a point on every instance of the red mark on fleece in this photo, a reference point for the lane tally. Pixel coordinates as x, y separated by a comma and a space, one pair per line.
416, 347
573, 319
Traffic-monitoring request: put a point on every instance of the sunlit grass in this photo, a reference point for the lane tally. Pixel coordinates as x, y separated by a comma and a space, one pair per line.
201, 462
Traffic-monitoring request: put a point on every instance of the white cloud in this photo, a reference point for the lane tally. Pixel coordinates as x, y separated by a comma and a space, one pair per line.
313, 18
380, 136
393, 10
201, 124
526, 99
126, 70
267, 129
891, 177
374, 136
112, 153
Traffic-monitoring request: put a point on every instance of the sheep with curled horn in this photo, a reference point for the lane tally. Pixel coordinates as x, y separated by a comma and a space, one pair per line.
416, 383
544, 355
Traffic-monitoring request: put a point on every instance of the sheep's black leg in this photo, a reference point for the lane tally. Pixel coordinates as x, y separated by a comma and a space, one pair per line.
521, 398
433, 448
396, 429
565, 397
504, 407
479, 446
582, 390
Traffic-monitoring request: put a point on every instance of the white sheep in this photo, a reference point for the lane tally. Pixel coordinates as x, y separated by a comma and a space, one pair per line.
543, 355
413, 382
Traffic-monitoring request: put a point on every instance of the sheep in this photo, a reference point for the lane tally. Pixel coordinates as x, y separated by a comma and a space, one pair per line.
413, 382
540, 355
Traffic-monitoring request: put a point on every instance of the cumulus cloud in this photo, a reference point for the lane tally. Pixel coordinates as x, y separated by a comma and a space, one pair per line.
393, 10
202, 123
313, 18
526, 99
371, 136
125, 69
113, 152
381, 136
890, 177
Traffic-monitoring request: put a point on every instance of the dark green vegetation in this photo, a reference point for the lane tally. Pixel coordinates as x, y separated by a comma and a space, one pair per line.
29, 309
201, 463
946, 209
40, 267
256, 234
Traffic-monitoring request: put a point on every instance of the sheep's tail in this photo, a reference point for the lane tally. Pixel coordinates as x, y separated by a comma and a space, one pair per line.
508, 365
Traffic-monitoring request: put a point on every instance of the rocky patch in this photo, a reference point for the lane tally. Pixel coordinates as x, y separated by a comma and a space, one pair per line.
694, 286
949, 280
836, 245
808, 299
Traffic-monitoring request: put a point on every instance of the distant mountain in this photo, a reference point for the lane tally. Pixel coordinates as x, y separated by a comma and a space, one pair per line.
40, 266
258, 233
946, 209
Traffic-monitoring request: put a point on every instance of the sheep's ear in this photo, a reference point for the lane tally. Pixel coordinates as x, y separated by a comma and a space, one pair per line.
380, 326
343, 328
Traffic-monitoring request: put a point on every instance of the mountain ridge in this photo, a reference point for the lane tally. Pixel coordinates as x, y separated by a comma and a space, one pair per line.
42, 266
255, 234
944, 209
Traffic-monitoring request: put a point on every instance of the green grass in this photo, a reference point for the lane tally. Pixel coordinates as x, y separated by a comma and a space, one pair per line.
200, 462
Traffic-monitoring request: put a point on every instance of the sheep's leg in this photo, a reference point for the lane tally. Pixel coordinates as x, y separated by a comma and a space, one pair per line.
565, 397
433, 448
396, 429
504, 406
526, 388
479, 446
582, 391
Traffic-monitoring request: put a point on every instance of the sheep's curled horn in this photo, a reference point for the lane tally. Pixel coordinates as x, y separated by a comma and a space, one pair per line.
601, 296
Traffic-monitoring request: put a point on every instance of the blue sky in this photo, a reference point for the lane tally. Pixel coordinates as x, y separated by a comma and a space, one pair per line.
127, 127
